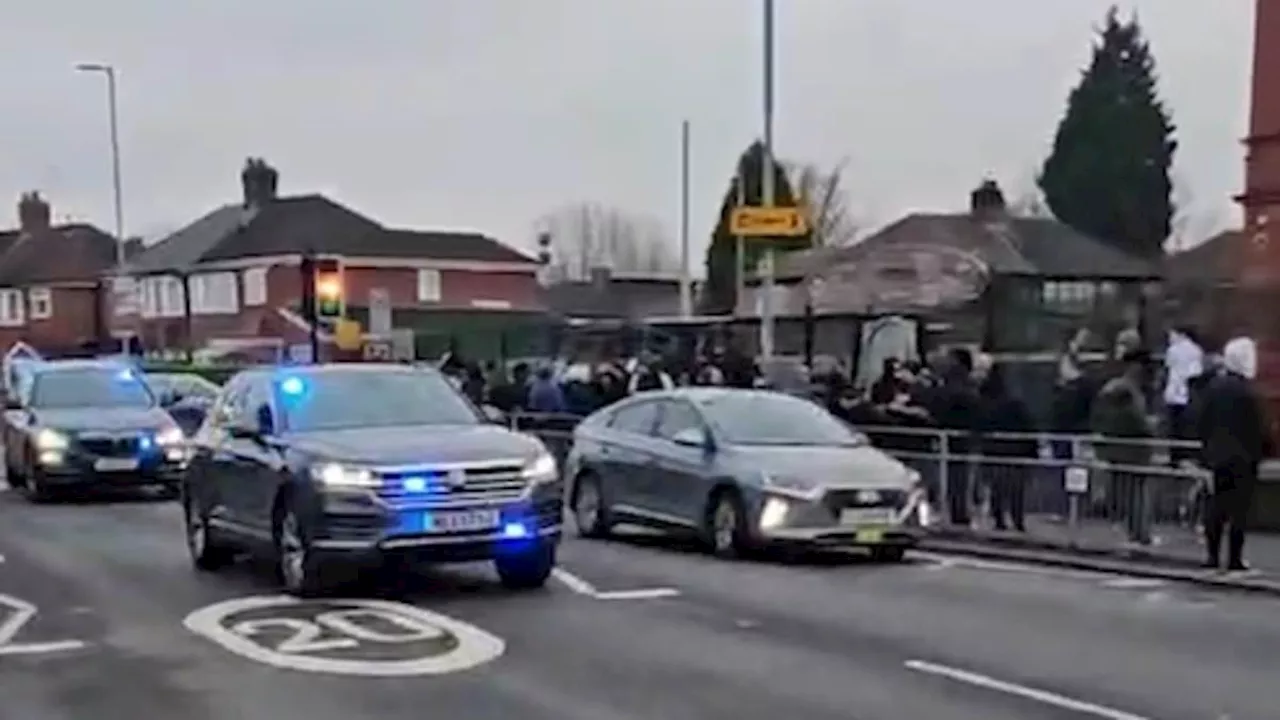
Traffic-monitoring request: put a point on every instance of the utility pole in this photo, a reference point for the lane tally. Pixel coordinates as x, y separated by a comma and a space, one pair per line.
686, 278
310, 312
117, 184
768, 191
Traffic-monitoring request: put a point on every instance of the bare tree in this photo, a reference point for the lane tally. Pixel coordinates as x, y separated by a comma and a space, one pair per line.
822, 191
590, 235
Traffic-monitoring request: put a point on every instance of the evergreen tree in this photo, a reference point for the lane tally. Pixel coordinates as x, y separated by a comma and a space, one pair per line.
1108, 173
719, 294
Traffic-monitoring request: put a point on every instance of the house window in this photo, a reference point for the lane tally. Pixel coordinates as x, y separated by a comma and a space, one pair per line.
214, 294
255, 287
428, 286
41, 301
149, 296
171, 296
12, 307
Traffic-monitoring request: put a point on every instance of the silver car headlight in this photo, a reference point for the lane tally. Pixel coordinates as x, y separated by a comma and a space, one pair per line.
336, 475
170, 436
542, 469
50, 440
792, 487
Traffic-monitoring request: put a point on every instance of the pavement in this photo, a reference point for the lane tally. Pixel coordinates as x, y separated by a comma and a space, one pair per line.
1176, 554
102, 616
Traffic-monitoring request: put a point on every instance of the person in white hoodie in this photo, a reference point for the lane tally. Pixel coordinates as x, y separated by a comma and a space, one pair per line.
1232, 425
1183, 360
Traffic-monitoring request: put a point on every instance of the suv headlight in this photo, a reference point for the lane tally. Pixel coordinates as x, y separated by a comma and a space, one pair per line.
542, 469
47, 439
336, 475
170, 436
793, 487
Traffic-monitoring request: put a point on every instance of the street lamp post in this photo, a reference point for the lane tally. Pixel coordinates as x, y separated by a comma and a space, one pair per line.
118, 194
767, 189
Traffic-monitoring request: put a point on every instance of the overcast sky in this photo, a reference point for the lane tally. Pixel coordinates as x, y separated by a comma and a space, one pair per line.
487, 114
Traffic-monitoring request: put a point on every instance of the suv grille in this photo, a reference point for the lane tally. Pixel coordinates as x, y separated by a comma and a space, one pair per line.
436, 487
110, 447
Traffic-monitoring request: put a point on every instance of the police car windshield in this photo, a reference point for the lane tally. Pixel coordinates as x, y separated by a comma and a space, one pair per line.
369, 399
89, 388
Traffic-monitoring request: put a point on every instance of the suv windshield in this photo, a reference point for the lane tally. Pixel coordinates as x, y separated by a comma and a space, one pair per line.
363, 398
89, 387
762, 418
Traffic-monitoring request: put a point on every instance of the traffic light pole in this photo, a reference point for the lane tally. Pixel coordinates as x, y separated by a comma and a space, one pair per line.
309, 309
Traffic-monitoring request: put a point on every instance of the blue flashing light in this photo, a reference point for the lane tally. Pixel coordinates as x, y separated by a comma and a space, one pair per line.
515, 530
145, 443
292, 386
414, 484
125, 375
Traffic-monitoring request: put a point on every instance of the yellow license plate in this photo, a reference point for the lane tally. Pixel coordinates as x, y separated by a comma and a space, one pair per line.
870, 536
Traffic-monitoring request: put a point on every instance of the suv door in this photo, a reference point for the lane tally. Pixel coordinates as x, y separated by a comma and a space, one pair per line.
682, 474
626, 454
253, 464
212, 471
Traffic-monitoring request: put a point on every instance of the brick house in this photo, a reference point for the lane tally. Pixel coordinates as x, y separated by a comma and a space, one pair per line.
232, 276
50, 292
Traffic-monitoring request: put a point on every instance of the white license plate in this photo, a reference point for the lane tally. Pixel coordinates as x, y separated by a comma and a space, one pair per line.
866, 516
115, 464
461, 521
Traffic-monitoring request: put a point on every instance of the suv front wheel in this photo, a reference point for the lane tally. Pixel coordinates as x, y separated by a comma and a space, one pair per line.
526, 569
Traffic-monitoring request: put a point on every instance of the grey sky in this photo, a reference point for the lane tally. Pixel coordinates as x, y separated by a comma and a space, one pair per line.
487, 114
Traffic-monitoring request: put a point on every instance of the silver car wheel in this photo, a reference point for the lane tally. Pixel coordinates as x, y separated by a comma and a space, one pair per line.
724, 525
587, 508
293, 553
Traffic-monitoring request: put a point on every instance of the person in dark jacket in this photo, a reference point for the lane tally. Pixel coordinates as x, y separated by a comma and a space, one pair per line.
1120, 414
954, 407
1003, 412
1236, 434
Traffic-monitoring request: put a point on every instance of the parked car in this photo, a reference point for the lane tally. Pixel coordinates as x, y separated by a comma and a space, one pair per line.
741, 469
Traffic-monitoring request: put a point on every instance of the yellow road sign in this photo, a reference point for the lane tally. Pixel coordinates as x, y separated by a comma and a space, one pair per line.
347, 334
768, 222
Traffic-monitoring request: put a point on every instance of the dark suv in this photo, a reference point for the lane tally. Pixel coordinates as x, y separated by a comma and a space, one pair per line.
354, 464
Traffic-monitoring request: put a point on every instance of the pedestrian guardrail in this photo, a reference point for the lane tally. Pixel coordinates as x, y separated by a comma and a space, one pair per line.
1069, 489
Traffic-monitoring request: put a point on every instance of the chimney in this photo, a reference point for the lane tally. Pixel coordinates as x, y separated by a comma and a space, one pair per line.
986, 202
259, 182
33, 212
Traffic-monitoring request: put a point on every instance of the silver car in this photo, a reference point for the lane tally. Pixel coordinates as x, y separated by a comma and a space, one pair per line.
741, 469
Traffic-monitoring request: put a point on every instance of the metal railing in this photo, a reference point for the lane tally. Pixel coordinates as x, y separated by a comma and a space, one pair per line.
1069, 490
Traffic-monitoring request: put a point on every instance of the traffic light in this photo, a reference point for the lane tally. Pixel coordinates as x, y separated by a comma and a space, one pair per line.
328, 288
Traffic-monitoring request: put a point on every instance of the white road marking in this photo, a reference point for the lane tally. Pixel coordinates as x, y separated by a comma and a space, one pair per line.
1135, 583
1029, 693
1112, 580
20, 613
582, 587
215, 623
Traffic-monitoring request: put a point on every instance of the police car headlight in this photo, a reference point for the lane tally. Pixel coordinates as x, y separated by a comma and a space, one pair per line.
543, 469
335, 475
170, 436
51, 440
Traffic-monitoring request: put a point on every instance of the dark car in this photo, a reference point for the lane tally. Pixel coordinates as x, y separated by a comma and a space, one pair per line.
331, 466
186, 396
88, 423
742, 469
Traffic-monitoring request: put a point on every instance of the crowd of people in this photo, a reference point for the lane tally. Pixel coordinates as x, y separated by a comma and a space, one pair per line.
1192, 394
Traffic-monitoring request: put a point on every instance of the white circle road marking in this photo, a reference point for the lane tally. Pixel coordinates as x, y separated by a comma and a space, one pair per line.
474, 646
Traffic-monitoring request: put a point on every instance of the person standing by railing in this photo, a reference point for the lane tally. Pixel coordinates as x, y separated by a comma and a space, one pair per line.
954, 407
1119, 414
1003, 412
1183, 361
1233, 426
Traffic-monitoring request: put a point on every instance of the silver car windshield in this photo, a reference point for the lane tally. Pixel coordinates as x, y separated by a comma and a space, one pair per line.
763, 418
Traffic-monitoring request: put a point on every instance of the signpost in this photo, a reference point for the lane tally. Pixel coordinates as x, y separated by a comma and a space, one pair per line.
755, 222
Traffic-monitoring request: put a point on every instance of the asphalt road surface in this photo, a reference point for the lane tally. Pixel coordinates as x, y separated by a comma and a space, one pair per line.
101, 616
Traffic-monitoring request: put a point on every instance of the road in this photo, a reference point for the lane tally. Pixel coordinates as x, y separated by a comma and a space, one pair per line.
124, 628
